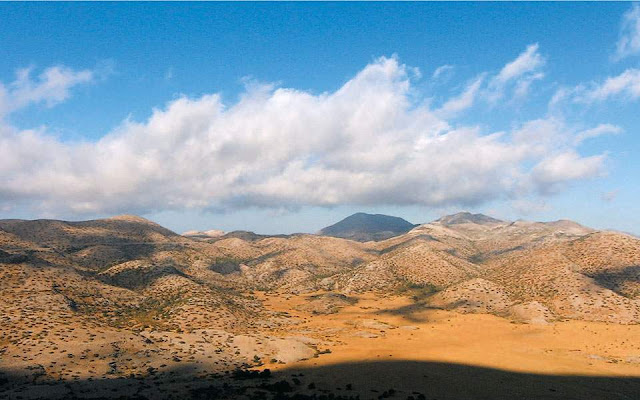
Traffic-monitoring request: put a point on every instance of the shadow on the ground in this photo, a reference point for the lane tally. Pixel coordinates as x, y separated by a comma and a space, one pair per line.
618, 279
414, 312
360, 380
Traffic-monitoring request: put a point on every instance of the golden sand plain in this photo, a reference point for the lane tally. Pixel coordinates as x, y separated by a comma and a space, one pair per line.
420, 334
383, 342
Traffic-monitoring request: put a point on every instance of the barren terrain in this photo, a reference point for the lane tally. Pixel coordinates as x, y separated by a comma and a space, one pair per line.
464, 307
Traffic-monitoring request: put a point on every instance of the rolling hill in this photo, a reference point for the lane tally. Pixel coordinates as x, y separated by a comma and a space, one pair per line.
123, 296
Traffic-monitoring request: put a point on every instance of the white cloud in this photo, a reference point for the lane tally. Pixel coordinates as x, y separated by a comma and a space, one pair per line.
602, 129
528, 61
442, 72
462, 101
523, 85
626, 85
51, 87
514, 80
368, 143
561, 95
554, 172
629, 41
519, 74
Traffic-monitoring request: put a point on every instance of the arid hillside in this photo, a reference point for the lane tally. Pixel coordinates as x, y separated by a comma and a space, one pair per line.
468, 262
125, 297
82, 299
528, 271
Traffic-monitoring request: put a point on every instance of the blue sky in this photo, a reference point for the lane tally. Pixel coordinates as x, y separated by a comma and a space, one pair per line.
287, 117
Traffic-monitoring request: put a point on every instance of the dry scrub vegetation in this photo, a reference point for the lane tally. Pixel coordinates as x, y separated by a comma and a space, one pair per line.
87, 304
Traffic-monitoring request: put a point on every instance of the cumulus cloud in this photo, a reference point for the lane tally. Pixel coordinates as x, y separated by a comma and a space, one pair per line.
553, 172
629, 40
368, 143
51, 87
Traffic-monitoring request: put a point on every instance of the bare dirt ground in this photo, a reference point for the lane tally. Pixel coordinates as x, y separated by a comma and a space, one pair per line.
393, 328
372, 347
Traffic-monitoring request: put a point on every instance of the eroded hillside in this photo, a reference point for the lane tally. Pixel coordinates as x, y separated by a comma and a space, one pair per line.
125, 297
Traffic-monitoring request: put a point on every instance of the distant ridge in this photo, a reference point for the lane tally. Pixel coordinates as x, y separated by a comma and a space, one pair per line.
468, 218
212, 233
121, 228
251, 236
366, 227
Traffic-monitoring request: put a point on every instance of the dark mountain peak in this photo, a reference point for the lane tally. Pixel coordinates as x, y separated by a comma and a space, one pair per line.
467, 218
364, 227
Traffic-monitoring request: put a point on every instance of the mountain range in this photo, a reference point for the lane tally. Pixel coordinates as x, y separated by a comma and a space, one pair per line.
472, 262
131, 287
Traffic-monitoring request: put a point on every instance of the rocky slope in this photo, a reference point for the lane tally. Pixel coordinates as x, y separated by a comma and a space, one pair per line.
126, 297
468, 262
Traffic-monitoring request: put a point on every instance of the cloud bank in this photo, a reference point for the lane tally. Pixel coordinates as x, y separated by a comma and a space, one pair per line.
368, 143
